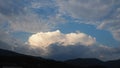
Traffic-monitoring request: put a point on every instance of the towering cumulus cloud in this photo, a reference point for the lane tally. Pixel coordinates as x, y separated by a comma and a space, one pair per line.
44, 39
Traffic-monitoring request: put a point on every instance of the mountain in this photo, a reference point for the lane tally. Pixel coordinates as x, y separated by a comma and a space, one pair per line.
15, 60
113, 63
4, 53
85, 62
10, 59
93, 63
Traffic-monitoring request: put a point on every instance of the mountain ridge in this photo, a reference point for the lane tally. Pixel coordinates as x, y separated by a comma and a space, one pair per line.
26, 61
9, 58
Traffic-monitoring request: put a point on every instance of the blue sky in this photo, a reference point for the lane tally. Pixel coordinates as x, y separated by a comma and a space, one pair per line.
102, 36
97, 20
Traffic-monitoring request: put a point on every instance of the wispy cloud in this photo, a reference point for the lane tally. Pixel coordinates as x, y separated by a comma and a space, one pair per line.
87, 9
43, 15
103, 14
29, 16
34, 16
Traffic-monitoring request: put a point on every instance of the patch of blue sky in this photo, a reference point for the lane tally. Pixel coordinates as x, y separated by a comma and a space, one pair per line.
23, 36
102, 36
45, 12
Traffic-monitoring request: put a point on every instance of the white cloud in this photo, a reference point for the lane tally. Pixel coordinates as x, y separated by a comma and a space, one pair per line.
112, 24
26, 18
116, 34
44, 39
30, 23
42, 3
87, 9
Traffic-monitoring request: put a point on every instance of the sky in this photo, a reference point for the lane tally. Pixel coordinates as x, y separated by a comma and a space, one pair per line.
61, 29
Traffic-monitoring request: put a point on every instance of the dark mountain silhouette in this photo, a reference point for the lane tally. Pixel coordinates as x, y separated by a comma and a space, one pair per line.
9, 59
85, 62
12, 59
113, 63
93, 63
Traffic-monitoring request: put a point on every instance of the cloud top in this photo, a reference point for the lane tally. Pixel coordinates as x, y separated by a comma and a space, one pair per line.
44, 39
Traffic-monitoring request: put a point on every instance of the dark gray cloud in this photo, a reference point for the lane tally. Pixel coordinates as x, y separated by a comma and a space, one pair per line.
59, 52
9, 43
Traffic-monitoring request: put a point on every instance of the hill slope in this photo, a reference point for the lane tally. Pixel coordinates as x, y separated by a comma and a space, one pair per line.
85, 62
16, 60
8, 58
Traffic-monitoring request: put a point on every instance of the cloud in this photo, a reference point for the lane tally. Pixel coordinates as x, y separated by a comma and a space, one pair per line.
40, 15
116, 34
43, 15
69, 52
43, 3
12, 7
21, 18
7, 42
60, 46
112, 24
29, 16
104, 14
44, 39
30, 23
87, 9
